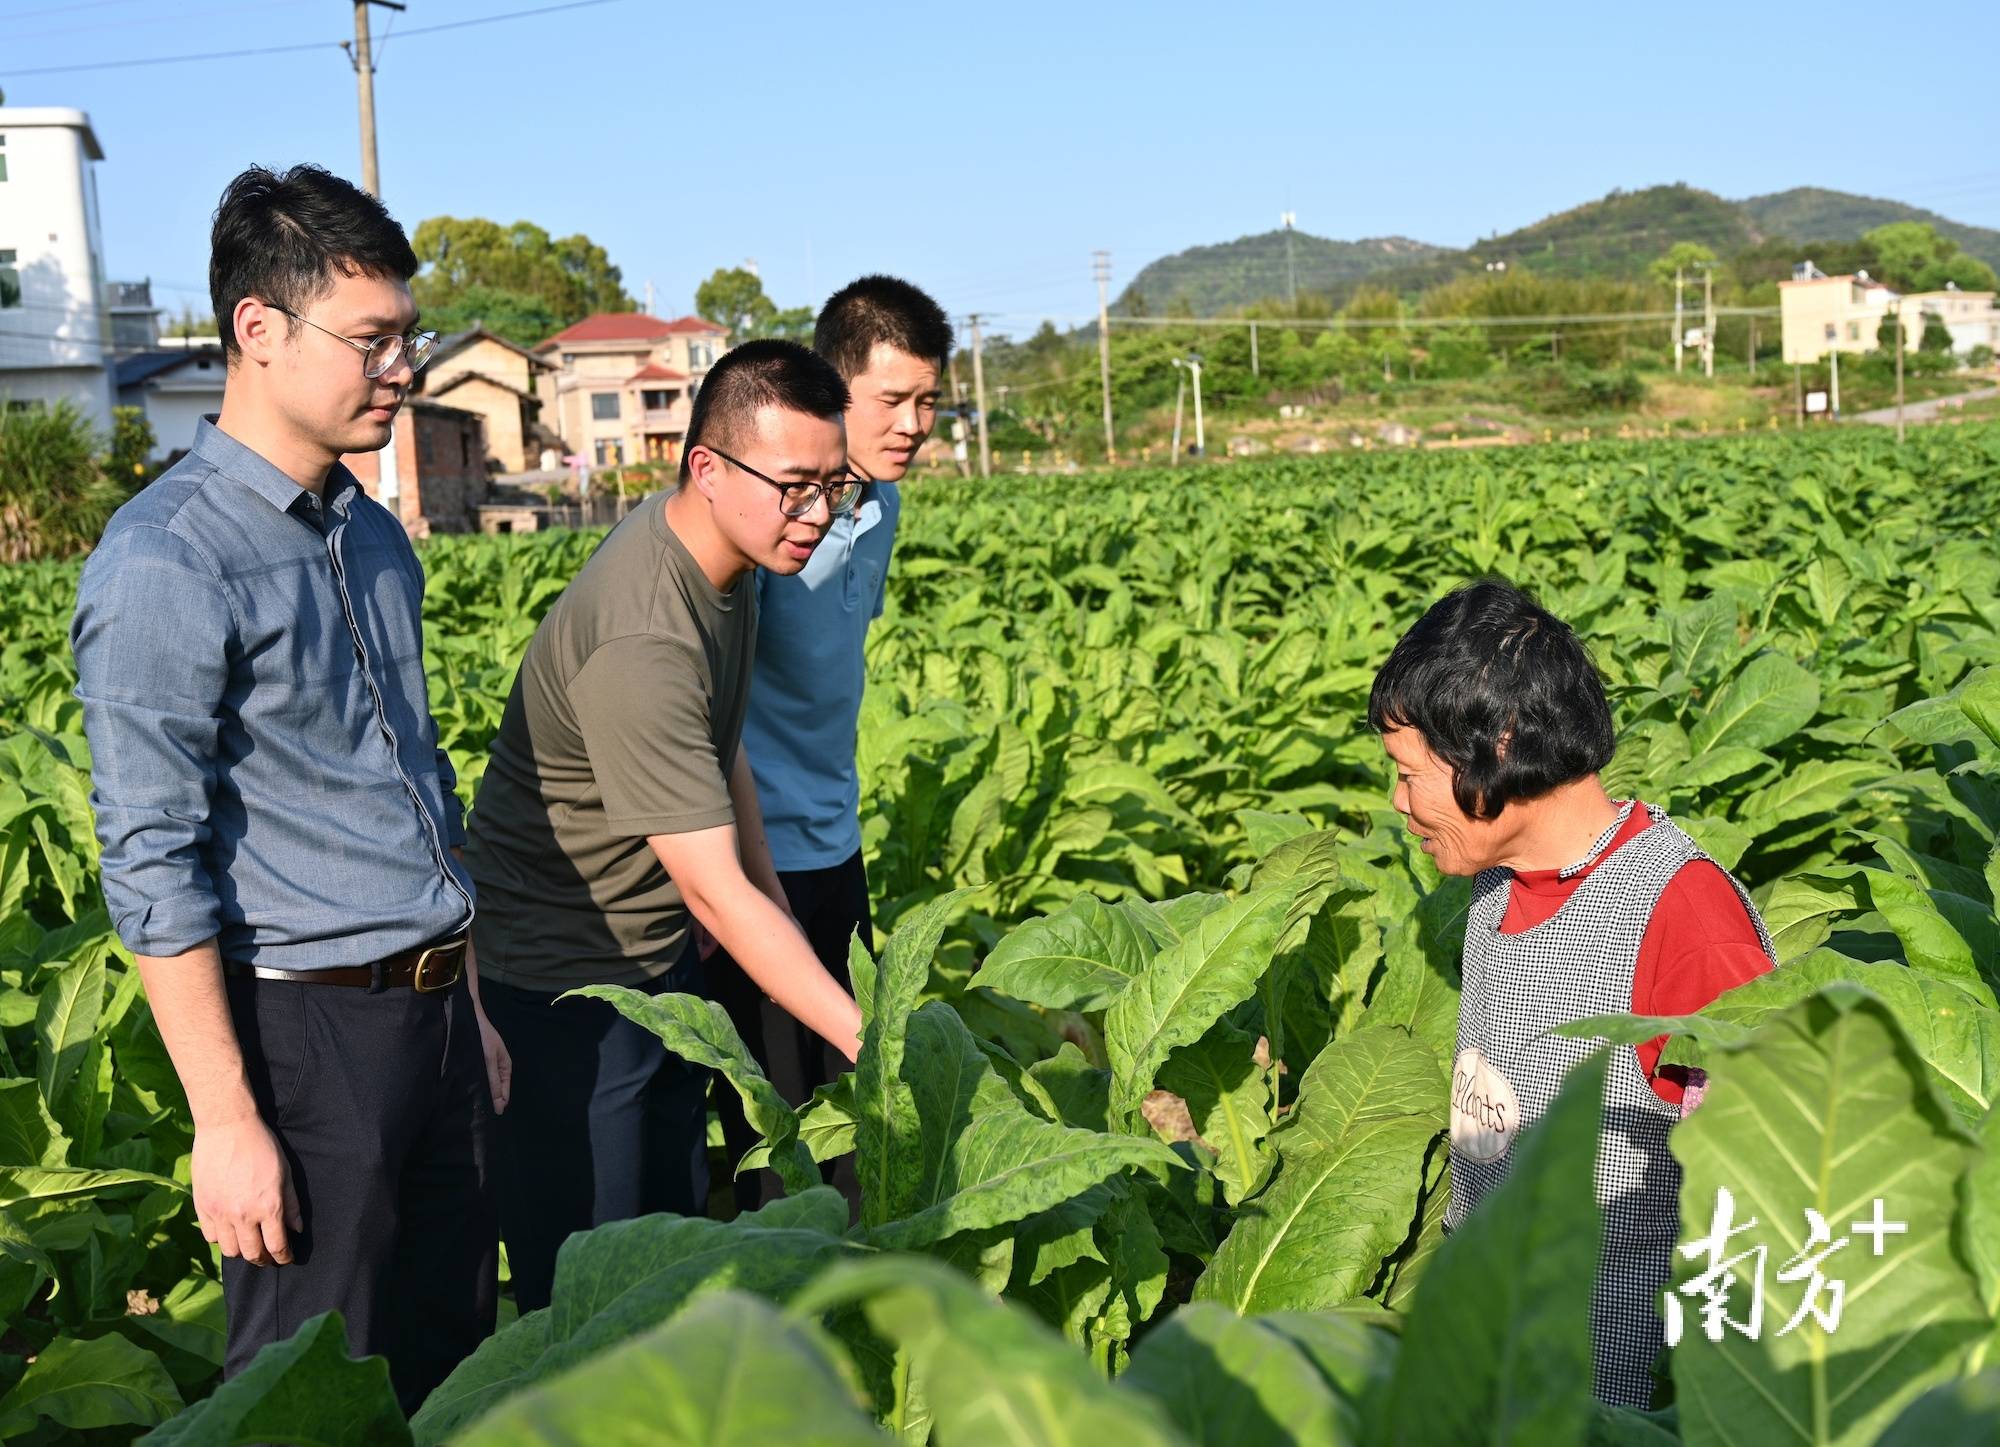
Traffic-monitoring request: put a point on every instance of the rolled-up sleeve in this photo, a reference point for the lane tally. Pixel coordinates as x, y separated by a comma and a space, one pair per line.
152, 636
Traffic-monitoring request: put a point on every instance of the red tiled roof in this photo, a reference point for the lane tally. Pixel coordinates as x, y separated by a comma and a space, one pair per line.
626, 327
656, 373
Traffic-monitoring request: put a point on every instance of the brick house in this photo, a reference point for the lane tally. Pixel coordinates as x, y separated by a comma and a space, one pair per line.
441, 473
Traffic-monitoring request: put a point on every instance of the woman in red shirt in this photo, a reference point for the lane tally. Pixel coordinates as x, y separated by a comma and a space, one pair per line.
1582, 904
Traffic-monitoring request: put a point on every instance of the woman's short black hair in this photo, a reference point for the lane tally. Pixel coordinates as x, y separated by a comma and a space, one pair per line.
770, 372
1500, 689
281, 236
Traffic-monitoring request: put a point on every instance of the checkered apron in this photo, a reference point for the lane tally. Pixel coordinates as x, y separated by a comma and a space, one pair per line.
1516, 987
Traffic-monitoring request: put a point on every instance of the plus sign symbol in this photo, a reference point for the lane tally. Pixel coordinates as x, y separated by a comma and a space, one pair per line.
1876, 1228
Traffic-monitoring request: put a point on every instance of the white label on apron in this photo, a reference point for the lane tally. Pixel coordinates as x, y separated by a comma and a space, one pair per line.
1485, 1114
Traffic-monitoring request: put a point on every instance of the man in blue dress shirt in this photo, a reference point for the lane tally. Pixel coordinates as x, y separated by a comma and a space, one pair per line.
889, 342
279, 826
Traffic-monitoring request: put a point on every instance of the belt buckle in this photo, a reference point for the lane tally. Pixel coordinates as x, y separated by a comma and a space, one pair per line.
421, 979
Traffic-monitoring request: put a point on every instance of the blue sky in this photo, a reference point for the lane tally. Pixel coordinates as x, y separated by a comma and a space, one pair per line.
985, 151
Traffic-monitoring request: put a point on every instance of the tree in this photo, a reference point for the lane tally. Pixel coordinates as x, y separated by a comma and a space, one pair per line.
1684, 257
518, 317
1915, 258
733, 297
519, 272
1936, 336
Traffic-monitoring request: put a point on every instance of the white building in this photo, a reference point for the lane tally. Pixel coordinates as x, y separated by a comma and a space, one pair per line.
54, 329
1970, 317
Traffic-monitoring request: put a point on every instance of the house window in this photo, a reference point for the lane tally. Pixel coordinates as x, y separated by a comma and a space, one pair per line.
1854, 331
604, 406
3, 158
1831, 332
656, 401
609, 453
10, 281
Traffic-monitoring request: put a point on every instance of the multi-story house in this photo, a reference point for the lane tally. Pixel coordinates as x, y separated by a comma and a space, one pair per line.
54, 327
495, 378
624, 383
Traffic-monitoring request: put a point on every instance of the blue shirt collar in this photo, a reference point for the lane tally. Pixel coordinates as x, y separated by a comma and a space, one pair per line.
263, 477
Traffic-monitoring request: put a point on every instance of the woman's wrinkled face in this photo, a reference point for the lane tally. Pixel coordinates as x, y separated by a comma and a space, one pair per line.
1456, 842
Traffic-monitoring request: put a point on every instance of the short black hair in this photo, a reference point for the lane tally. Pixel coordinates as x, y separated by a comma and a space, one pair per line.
880, 309
766, 373
1488, 665
281, 236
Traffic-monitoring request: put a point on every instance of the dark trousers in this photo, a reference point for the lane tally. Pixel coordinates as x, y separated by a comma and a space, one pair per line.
604, 1123
830, 905
379, 1102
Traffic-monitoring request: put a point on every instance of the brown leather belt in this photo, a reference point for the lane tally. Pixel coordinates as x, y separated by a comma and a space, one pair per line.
427, 970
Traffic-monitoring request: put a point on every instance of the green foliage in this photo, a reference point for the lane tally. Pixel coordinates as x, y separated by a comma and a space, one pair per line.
56, 493
519, 274
1914, 257
734, 298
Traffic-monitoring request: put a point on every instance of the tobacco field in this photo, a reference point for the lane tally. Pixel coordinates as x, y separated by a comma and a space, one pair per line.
1150, 1113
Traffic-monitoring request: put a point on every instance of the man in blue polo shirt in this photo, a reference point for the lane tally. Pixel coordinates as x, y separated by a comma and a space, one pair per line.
889, 342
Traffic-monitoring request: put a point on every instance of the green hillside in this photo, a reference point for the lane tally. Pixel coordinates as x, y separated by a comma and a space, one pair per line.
1811, 212
1613, 238
1204, 279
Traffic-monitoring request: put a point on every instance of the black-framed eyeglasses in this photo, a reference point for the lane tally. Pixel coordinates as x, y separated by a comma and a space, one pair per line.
795, 499
379, 354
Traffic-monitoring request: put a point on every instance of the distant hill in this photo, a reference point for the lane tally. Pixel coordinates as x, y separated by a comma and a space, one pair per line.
1205, 279
1614, 237
1807, 213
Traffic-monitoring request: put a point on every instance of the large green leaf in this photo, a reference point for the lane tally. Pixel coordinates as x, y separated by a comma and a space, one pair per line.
1228, 1097
66, 1015
1965, 1413
622, 1279
1497, 1348
32, 1183
79, 1383
192, 1318
1351, 1163
1930, 941
1080, 958
991, 1373
1225, 1378
303, 1390
983, 1158
700, 1032
29, 1135
1767, 701
728, 1372
1799, 910
1826, 1109
1188, 986
886, 1151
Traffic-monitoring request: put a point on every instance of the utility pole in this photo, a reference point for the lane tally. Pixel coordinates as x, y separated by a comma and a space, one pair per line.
389, 482
958, 420
1798, 396
1291, 270
649, 296
1200, 437
1679, 330
1899, 371
363, 56
1752, 357
1708, 319
1100, 266
1253, 351
1180, 400
979, 401
1835, 355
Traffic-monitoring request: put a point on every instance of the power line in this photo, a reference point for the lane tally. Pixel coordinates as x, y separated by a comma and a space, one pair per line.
306, 45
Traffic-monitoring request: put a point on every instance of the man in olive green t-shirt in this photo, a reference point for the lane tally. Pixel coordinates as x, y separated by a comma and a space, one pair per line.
617, 809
